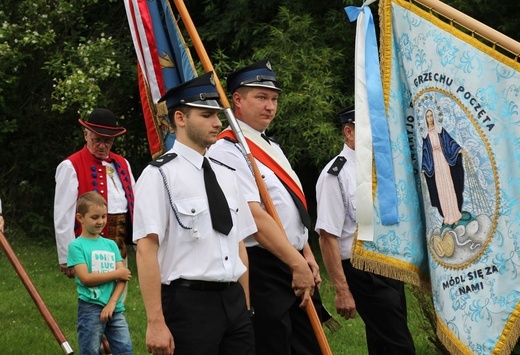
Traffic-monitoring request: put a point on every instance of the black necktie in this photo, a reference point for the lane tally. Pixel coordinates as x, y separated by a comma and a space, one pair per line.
218, 206
304, 214
266, 138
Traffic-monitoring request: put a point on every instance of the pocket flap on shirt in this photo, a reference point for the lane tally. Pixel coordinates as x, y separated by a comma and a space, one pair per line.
192, 207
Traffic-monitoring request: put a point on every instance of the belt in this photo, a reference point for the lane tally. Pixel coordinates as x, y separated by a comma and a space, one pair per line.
113, 220
116, 226
202, 285
116, 230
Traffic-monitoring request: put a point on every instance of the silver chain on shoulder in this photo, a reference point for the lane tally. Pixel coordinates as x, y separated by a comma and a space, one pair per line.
344, 198
171, 201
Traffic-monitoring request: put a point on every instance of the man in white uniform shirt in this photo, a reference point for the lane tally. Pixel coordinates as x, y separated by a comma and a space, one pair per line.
379, 300
282, 267
191, 258
94, 168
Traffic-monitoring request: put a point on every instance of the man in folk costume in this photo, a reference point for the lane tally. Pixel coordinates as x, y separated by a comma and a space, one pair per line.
94, 168
282, 268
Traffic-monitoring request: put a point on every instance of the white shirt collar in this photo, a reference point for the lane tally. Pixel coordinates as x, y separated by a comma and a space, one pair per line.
350, 154
188, 153
242, 123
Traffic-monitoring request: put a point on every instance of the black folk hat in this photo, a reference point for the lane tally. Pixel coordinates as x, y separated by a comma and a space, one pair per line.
259, 74
198, 92
103, 123
347, 115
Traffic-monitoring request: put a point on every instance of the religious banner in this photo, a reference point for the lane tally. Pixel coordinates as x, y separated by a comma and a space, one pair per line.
164, 61
454, 125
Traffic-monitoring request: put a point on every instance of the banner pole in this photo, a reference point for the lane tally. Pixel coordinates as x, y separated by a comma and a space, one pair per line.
264, 194
473, 25
42, 307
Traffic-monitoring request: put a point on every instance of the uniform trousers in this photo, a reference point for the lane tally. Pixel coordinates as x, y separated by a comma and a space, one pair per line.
208, 322
281, 326
381, 303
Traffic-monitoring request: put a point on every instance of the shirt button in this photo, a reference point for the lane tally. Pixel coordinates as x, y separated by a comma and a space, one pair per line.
226, 258
193, 210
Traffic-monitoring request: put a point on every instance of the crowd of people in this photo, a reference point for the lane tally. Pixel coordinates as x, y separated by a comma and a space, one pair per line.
221, 269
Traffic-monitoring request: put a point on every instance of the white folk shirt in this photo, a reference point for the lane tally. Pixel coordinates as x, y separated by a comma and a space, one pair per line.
200, 252
336, 202
232, 155
65, 199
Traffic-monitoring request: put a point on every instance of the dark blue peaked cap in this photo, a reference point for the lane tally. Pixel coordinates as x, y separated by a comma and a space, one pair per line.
259, 74
199, 92
347, 115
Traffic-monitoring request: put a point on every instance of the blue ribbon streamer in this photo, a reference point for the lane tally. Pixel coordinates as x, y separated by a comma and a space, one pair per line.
376, 104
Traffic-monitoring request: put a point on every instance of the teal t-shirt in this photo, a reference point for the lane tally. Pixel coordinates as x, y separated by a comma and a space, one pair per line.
100, 255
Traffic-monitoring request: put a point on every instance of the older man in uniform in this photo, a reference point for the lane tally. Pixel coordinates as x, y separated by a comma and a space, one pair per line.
379, 300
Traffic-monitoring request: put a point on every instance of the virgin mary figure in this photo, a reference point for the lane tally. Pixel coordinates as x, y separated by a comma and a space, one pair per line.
443, 170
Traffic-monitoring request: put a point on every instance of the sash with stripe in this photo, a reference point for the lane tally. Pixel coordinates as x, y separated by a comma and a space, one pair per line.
285, 173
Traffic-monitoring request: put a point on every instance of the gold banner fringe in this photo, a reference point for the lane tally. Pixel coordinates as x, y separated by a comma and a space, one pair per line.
156, 120
452, 344
375, 265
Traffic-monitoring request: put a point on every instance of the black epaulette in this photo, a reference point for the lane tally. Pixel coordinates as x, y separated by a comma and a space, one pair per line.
337, 166
221, 163
163, 159
229, 139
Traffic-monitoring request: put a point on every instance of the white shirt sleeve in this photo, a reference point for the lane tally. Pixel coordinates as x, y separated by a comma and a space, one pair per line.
330, 208
65, 198
230, 155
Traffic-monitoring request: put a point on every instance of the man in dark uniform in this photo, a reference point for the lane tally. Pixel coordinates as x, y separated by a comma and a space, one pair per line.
189, 230
379, 300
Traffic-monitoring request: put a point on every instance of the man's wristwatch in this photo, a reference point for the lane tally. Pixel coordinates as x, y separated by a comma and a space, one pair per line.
252, 312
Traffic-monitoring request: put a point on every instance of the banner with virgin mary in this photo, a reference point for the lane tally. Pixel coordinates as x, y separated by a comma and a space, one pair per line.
454, 124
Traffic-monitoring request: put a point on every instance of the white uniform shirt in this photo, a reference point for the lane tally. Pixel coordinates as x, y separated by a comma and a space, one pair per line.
230, 154
65, 199
336, 202
200, 252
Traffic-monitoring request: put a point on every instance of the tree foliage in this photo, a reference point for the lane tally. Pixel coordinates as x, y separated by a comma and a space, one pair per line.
58, 60
61, 59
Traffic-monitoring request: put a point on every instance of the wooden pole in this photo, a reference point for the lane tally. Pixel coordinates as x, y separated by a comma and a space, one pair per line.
42, 307
473, 25
264, 194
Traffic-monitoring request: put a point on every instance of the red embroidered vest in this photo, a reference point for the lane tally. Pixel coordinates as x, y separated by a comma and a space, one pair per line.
92, 177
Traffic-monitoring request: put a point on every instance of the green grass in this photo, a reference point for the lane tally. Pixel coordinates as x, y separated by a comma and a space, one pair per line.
24, 330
